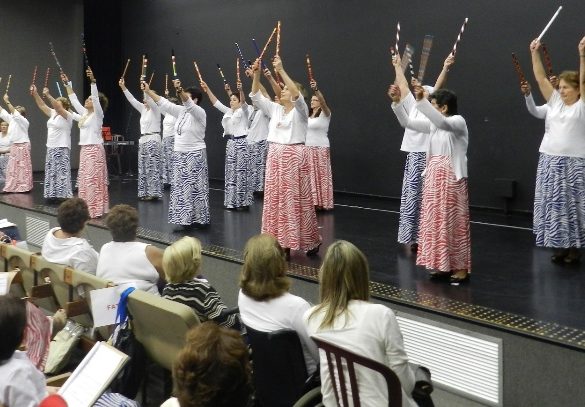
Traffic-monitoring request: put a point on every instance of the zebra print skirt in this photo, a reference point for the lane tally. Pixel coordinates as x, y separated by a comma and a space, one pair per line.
257, 165
321, 177
559, 202
412, 185
19, 169
444, 242
93, 179
237, 191
167, 153
3, 165
57, 173
149, 169
189, 201
288, 213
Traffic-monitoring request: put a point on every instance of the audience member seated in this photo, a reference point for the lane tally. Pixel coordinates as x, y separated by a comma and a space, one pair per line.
346, 318
181, 263
264, 301
64, 245
125, 260
212, 370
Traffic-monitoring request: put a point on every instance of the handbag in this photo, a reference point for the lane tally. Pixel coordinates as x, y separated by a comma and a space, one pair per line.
423, 386
128, 381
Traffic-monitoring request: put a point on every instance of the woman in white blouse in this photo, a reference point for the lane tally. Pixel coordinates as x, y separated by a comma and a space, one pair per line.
235, 129
5, 144
168, 141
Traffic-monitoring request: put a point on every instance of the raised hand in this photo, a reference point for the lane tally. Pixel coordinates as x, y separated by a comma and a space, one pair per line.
525, 88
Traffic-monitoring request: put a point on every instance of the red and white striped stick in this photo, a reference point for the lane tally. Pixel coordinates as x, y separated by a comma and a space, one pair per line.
47, 77
459, 36
34, 79
8, 83
197, 71
278, 38
397, 37
238, 69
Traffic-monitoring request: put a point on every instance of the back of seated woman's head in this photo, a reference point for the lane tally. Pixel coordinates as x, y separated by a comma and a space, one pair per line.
122, 220
263, 275
72, 215
12, 324
182, 259
344, 276
213, 369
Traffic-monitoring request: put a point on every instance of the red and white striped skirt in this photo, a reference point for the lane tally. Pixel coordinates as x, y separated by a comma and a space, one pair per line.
444, 242
288, 213
19, 169
93, 179
321, 178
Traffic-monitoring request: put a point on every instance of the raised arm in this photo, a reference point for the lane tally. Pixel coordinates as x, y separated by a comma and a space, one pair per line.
537, 111
400, 80
212, 97
95, 97
135, 103
56, 105
454, 124
72, 96
290, 84
255, 73
539, 73
273, 84
582, 68
321, 98
39, 101
442, 78
8, 104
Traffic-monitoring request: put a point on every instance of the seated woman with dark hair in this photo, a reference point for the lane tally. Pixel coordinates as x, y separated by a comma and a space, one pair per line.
212, 370
125, 260
264, 301
64, 245
181, 263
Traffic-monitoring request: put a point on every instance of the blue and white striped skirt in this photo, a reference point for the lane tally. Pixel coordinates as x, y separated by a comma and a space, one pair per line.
257, 165
167, 152
189, 201
559, 202
3, 165
149, 169
411, 198
57, 173
237, 192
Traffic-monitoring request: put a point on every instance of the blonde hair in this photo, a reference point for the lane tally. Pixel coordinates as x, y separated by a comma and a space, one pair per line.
344, 276
571, 78
182, 260
263, 275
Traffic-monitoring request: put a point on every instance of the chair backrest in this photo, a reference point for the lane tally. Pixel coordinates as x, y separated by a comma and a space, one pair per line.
20, 258
341, 355
279, 370
160, 325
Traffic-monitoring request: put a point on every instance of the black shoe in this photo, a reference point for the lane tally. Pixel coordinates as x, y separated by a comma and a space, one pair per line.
559, 256
440, 275
573, 256
287, 254
313, 252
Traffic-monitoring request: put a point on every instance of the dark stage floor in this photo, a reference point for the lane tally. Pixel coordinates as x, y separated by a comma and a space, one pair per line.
508, 272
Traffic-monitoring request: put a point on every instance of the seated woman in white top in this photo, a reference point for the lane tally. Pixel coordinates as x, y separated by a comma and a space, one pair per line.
64, 245
264, 301
125, 260
347, 319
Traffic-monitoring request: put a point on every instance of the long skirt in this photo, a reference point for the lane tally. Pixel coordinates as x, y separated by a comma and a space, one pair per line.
3, 164
149, 169
57, 173
321, 177
559, 202
444, 238
93, 179
412, 187
19, 169
167, 153
288, 213
189, 188
257, 165
237, 192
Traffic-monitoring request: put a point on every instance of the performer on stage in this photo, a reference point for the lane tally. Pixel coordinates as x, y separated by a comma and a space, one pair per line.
189, 204
93, 171
57, 185
318, 150
444, 235
149, 148
19, 167
168, 141
5, 144
559, 207
288, 212
235, 128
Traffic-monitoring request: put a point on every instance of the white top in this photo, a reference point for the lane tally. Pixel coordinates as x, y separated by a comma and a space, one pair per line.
234, 122
168, 125
17, 126
59, 130
126, 263
90, 124
566, 132
370, 330
190, 124
317, 130
284, 128
413, 141
5, 143
172, 402
257, 125
75, 252
149, 118
284, 312
21, 383
540, 112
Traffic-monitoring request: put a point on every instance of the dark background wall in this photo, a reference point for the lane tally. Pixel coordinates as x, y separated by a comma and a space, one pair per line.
348, 42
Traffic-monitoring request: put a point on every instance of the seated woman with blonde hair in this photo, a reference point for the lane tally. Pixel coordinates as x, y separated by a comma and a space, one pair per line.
181, 264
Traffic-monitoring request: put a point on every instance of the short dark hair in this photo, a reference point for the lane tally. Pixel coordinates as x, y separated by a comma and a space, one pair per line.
104, 101
72, 215
446, 97
12, 324
195, 93
122, 220
213, 369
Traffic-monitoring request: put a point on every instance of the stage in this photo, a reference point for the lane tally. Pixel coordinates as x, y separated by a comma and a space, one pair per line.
514, 286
